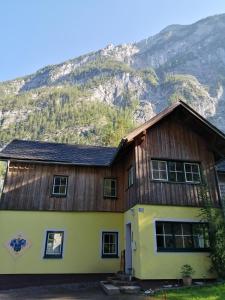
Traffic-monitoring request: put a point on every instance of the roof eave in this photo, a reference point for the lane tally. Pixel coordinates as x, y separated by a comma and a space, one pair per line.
51, 162
165, 113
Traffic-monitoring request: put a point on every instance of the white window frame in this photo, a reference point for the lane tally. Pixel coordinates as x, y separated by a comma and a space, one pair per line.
54, 185
182, 235
109, 255
53, 256
152, 169
110, 196
176, 171
199, 173
130, 176
174, 220
200, 239
185, 172
164, 235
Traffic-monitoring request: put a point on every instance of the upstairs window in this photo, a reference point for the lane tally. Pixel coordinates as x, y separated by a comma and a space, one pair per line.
192, 172
159, 170
110, 187
54, 244
130, 176
109, 244
60, 184
184, 237
175, 171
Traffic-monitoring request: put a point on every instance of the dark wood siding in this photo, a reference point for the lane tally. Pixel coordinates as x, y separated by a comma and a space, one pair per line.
28, 187
130, 196
171, 139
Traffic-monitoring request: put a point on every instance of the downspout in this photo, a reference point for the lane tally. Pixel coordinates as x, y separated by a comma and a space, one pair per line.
221, 197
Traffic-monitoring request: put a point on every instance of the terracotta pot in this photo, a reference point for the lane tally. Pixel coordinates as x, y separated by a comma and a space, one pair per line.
187, 281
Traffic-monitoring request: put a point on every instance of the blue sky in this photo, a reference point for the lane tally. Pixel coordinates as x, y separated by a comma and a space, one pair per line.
35, 33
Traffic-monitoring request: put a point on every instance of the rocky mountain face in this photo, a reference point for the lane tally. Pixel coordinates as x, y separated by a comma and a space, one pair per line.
98, 97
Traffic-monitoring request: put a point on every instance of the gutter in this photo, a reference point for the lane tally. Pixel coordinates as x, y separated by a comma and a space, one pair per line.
50, 162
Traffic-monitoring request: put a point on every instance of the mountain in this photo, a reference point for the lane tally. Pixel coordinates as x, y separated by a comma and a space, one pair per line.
98, 97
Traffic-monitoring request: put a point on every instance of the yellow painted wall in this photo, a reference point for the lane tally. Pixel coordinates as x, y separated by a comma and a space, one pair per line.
82, 243
150, 264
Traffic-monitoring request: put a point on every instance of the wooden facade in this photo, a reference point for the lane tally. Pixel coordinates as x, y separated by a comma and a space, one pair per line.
28, 185
172, 140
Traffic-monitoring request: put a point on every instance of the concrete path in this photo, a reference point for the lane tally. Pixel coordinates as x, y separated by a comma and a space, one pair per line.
63, 292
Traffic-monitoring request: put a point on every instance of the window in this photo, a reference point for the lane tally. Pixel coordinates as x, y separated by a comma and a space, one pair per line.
130, 176
176, 171
185, 236
54, 244
110, 244
59, 187
159, 170
110, 187
192, 172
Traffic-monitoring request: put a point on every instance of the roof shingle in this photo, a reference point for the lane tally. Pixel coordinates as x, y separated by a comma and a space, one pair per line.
60, 153
104, 156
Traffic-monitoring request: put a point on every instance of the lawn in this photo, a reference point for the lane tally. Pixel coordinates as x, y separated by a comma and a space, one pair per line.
213, 292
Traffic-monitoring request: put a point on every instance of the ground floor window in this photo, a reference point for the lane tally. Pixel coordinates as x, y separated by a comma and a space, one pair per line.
54, 244
182, 236
109, 244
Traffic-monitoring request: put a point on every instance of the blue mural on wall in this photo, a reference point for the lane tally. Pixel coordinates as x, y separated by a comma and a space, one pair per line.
17, 244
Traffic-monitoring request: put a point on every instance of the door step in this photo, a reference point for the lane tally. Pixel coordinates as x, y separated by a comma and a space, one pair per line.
109, 288
119, 284
130, 289
125, 283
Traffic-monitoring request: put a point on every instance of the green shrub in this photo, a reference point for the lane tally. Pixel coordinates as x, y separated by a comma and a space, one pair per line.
216, 220
187, 271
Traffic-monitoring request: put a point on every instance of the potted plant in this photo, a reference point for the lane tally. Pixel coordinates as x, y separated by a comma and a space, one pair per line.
186, 272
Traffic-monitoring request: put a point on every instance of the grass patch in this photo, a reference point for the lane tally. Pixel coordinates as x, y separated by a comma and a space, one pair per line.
212, 292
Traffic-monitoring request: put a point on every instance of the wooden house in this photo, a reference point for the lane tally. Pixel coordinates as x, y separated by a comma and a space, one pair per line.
72, 209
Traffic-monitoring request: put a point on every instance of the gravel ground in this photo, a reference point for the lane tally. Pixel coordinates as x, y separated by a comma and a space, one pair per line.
66, 291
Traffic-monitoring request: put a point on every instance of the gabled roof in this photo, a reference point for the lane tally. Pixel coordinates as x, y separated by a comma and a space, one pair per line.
105, 156
151, 122
166, 112
187, 116
58, 153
